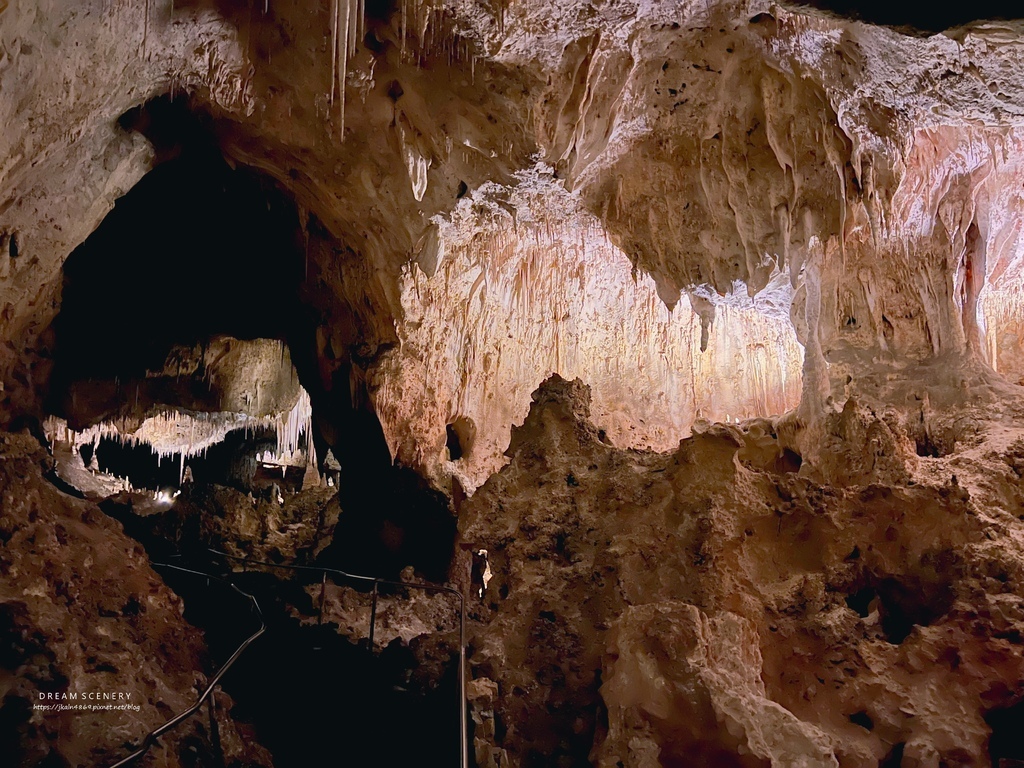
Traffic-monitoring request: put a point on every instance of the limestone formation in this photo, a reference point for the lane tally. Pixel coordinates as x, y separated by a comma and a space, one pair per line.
715, 606
756, 265
86, 622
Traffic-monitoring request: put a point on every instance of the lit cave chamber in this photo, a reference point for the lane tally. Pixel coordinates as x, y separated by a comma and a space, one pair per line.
511, 384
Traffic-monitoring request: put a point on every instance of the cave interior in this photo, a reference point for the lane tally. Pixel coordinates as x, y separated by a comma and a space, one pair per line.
512, 384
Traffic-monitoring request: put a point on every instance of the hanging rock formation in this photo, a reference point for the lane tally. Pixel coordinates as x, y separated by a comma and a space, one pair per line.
782, 247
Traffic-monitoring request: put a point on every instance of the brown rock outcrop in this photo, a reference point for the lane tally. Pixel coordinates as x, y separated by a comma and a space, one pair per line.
717, 607
485, 193
83, 614
290, 529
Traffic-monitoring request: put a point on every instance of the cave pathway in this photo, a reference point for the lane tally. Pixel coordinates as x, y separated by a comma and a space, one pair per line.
259, 566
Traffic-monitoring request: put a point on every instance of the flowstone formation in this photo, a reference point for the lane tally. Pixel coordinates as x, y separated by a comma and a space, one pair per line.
454, 167
543, 273
726, 605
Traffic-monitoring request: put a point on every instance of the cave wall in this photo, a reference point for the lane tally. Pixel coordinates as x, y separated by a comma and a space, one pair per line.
717, 146
65, 158
712, 606
544, 276
82, 612
707, 211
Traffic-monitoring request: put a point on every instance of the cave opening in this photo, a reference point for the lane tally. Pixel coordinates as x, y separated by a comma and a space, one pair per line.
453, 443
197, 249
174, 313
177, 319
894, 757
1006, 744
141, 465
459, 436
183, 386
905, 602
234, 462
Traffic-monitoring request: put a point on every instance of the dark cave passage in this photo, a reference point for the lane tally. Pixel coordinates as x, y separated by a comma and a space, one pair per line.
199, 252
232, 462
920, 15
1006, 745
314, 697
391, 522
195, 250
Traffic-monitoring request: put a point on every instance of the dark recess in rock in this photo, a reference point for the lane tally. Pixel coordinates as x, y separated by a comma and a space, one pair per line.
920, 15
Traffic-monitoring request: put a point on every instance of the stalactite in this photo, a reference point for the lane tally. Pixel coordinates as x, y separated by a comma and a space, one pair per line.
403, 27
334, 48
538, 270
347, 24
185, 434
145, 27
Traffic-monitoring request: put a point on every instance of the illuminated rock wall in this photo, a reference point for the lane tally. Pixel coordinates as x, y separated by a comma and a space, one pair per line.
536, 289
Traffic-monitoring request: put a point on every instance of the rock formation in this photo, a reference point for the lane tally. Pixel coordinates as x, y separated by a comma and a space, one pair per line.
765, 508
83, 617
722, 605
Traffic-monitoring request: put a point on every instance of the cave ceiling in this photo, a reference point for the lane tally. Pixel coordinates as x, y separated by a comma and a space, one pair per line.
863, 180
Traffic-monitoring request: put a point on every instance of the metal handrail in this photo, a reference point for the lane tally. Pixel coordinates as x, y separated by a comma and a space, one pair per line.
153, 735
376, 582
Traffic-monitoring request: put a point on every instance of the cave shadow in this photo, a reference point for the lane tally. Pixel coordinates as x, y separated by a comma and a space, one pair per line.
921, 16
314, 697
391, 517
1006, 744
197, 249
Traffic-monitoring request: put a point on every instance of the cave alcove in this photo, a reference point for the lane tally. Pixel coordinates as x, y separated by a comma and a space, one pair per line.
198, 250
195, 250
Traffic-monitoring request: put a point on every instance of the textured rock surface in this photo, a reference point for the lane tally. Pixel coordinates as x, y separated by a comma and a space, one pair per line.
406, 615
714, 607
291, 529
250, 378
82, 612
490, 192
544, 276
193, 402
715, 144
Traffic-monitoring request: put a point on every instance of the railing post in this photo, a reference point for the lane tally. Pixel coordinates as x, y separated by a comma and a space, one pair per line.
459, 592
463, 725
323, 595
215, 728
373, 613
